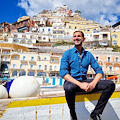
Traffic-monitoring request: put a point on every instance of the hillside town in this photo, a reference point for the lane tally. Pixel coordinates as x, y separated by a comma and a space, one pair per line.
34, 46
45, 74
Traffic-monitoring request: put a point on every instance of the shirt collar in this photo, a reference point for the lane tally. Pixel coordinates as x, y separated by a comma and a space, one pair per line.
75, 49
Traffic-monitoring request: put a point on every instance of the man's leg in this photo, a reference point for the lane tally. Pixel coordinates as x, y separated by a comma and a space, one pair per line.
108, 88
70, 92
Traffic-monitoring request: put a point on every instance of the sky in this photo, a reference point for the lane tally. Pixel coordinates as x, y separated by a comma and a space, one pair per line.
105, 12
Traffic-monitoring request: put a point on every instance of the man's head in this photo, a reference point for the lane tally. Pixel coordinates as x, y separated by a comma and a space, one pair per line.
78, 38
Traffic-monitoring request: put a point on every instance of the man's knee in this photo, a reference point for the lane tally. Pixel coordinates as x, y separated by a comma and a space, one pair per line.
111, 84
69, 87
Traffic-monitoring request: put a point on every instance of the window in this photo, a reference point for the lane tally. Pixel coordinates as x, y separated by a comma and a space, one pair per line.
31, 73
52, 60
45, 58
110, 68
61, 31
14, 65
104, 35
54, 36
55, 67
97, 58
23, 36
114, 42
45, 67
40, 67
75, 27
39, 37
31, 66
114, 36
39, 58
70, 27
117, 59
32, 58
54, 32
22, 73
50, 67
24, 57
90, 76
68, 33
41, 74
16, 57
44, 38
14, 73
6, 58
21, 66
109, 59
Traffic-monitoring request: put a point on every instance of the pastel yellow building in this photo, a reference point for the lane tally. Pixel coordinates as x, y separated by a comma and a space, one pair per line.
115, 37
85, 26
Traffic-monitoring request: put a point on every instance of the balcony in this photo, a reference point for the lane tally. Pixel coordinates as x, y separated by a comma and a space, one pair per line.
5, 60
109, 72
54, 62
22, 41
95, 38
5, 53
16, 68
15, 40
31, 69
15, 58
5, 40
23, 61
95, 31
32, 61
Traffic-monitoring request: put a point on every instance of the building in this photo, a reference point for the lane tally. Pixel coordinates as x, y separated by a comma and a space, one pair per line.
115, 37
5, 27
22, 25
20, 38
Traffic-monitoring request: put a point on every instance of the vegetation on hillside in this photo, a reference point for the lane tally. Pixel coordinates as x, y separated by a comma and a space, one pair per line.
77, 11
63, 43
116, 48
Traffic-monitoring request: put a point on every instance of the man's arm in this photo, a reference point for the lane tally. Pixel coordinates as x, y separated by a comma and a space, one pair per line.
82, 85
98, 71
92, 85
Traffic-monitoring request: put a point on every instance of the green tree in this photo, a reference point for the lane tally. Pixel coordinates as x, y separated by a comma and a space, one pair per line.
77, 11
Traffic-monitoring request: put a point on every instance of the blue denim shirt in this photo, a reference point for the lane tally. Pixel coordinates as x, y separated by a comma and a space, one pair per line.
76, 66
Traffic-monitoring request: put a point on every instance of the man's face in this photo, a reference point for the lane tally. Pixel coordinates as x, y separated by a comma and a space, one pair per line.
78, 38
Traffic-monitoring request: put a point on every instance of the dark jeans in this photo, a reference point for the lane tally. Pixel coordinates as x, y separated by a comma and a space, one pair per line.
107, 87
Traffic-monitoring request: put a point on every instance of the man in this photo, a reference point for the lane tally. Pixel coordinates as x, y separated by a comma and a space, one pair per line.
73, 68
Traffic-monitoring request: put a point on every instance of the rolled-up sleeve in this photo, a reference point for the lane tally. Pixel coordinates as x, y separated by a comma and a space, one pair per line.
64, 65
96, 66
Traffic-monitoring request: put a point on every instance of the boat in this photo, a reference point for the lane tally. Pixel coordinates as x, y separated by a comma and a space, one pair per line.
51, 105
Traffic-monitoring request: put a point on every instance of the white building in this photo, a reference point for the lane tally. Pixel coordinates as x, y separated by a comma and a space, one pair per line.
21, 38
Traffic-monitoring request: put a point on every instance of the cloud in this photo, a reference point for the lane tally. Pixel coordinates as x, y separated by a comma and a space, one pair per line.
105, 12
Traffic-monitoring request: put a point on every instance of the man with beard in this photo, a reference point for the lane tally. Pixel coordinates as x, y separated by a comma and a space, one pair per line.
73, 68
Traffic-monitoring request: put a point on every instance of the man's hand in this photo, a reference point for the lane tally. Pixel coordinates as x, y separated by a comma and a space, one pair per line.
83, 85
90, 86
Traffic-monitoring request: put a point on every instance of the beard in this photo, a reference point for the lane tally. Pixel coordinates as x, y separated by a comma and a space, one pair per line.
80, 43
